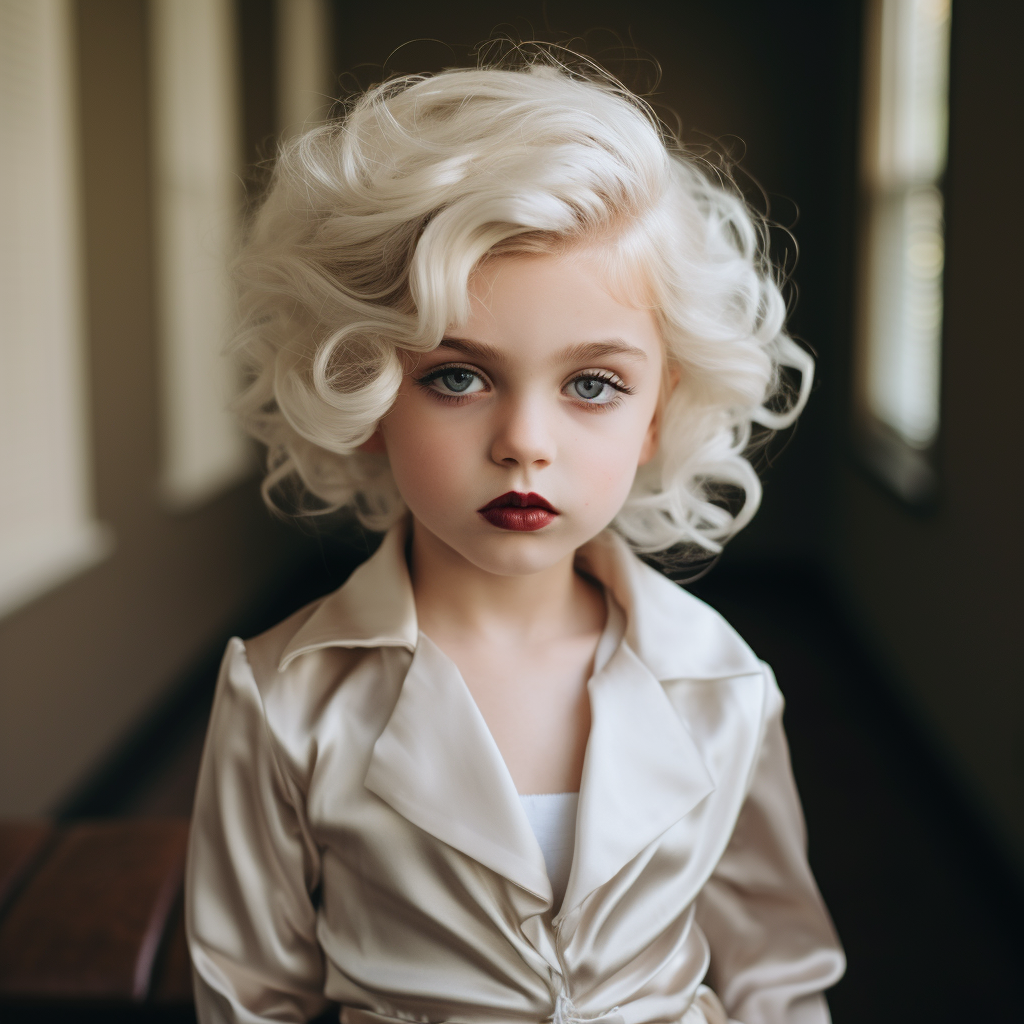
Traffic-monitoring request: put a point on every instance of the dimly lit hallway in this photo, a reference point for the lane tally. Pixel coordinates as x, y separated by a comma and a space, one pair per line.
903, 800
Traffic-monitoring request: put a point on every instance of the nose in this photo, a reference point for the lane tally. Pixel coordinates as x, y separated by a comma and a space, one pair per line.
523, 435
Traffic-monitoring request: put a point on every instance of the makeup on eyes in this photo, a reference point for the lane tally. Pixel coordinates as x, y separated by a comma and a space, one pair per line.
605, 379
459, 380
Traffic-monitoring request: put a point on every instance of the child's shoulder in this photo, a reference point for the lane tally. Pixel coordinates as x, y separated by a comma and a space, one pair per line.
290, 695
285, 687
265, 651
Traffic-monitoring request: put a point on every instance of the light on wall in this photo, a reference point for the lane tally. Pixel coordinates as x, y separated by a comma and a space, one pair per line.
198, 162
48, 532
304, 79
903, 161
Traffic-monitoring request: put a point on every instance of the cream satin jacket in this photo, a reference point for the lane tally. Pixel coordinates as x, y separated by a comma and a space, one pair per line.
357, 838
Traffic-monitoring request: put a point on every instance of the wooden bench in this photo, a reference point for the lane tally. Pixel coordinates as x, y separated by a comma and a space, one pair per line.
91, 922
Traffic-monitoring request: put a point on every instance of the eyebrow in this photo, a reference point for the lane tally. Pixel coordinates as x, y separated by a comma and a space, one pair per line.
582, 352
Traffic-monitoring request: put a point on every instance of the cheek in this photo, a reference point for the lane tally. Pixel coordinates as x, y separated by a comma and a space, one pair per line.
426, 460
606, 461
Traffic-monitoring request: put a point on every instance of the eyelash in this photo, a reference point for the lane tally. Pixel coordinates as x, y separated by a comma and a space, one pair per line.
613, 380
440, 371
605, 377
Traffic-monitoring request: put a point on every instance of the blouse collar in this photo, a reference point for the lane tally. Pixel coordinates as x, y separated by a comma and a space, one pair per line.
674, 634
373, 608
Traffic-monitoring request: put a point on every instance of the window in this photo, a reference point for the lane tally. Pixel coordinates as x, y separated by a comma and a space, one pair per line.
903, 159
47, 528
197, 149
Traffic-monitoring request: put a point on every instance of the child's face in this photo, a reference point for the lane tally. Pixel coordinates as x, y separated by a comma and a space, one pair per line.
549, 391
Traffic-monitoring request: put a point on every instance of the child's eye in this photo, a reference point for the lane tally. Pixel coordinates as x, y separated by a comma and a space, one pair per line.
452, 380
460, 382
597, 389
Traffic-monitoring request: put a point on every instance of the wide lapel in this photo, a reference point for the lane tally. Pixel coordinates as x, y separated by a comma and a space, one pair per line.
436, 763
642, 773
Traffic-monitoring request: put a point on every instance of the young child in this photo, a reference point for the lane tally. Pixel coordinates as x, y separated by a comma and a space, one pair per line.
507, 772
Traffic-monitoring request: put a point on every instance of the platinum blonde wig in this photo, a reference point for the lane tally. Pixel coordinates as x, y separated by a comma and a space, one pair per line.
374, 223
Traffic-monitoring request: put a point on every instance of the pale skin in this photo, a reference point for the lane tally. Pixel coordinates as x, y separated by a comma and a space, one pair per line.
551, 387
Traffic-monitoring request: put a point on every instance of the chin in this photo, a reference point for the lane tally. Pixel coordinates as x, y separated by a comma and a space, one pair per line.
512, 553
515, 559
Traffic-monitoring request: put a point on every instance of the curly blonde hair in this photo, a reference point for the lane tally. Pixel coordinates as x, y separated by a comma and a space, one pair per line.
375, 222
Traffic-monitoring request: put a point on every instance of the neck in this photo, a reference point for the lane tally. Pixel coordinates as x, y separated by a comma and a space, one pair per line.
454, 596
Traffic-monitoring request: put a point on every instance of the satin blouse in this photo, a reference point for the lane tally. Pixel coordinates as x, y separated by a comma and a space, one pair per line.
358, 840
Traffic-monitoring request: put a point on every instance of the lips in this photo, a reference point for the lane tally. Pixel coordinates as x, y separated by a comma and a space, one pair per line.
517, 511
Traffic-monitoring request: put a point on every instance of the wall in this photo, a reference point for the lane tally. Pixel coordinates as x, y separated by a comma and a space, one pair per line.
939, 593
81, 667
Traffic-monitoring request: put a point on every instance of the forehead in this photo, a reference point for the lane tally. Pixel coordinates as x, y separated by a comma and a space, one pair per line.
542, 304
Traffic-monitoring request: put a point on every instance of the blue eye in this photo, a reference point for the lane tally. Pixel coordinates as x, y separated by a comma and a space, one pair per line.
458, 381
589, 388
452, 380
597, 390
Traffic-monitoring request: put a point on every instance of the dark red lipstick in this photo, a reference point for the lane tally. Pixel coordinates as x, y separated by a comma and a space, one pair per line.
517, 511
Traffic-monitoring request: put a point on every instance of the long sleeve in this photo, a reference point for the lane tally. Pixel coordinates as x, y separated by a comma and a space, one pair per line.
252, 868
773, 948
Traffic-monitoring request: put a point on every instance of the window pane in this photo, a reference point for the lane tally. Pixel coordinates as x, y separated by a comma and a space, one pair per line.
904, 339
904, 144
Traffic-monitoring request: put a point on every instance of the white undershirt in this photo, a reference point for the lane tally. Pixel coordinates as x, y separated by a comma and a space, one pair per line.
552, 817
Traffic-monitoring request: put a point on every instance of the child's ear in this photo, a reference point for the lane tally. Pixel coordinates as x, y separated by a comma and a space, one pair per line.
649, 448
374, 444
